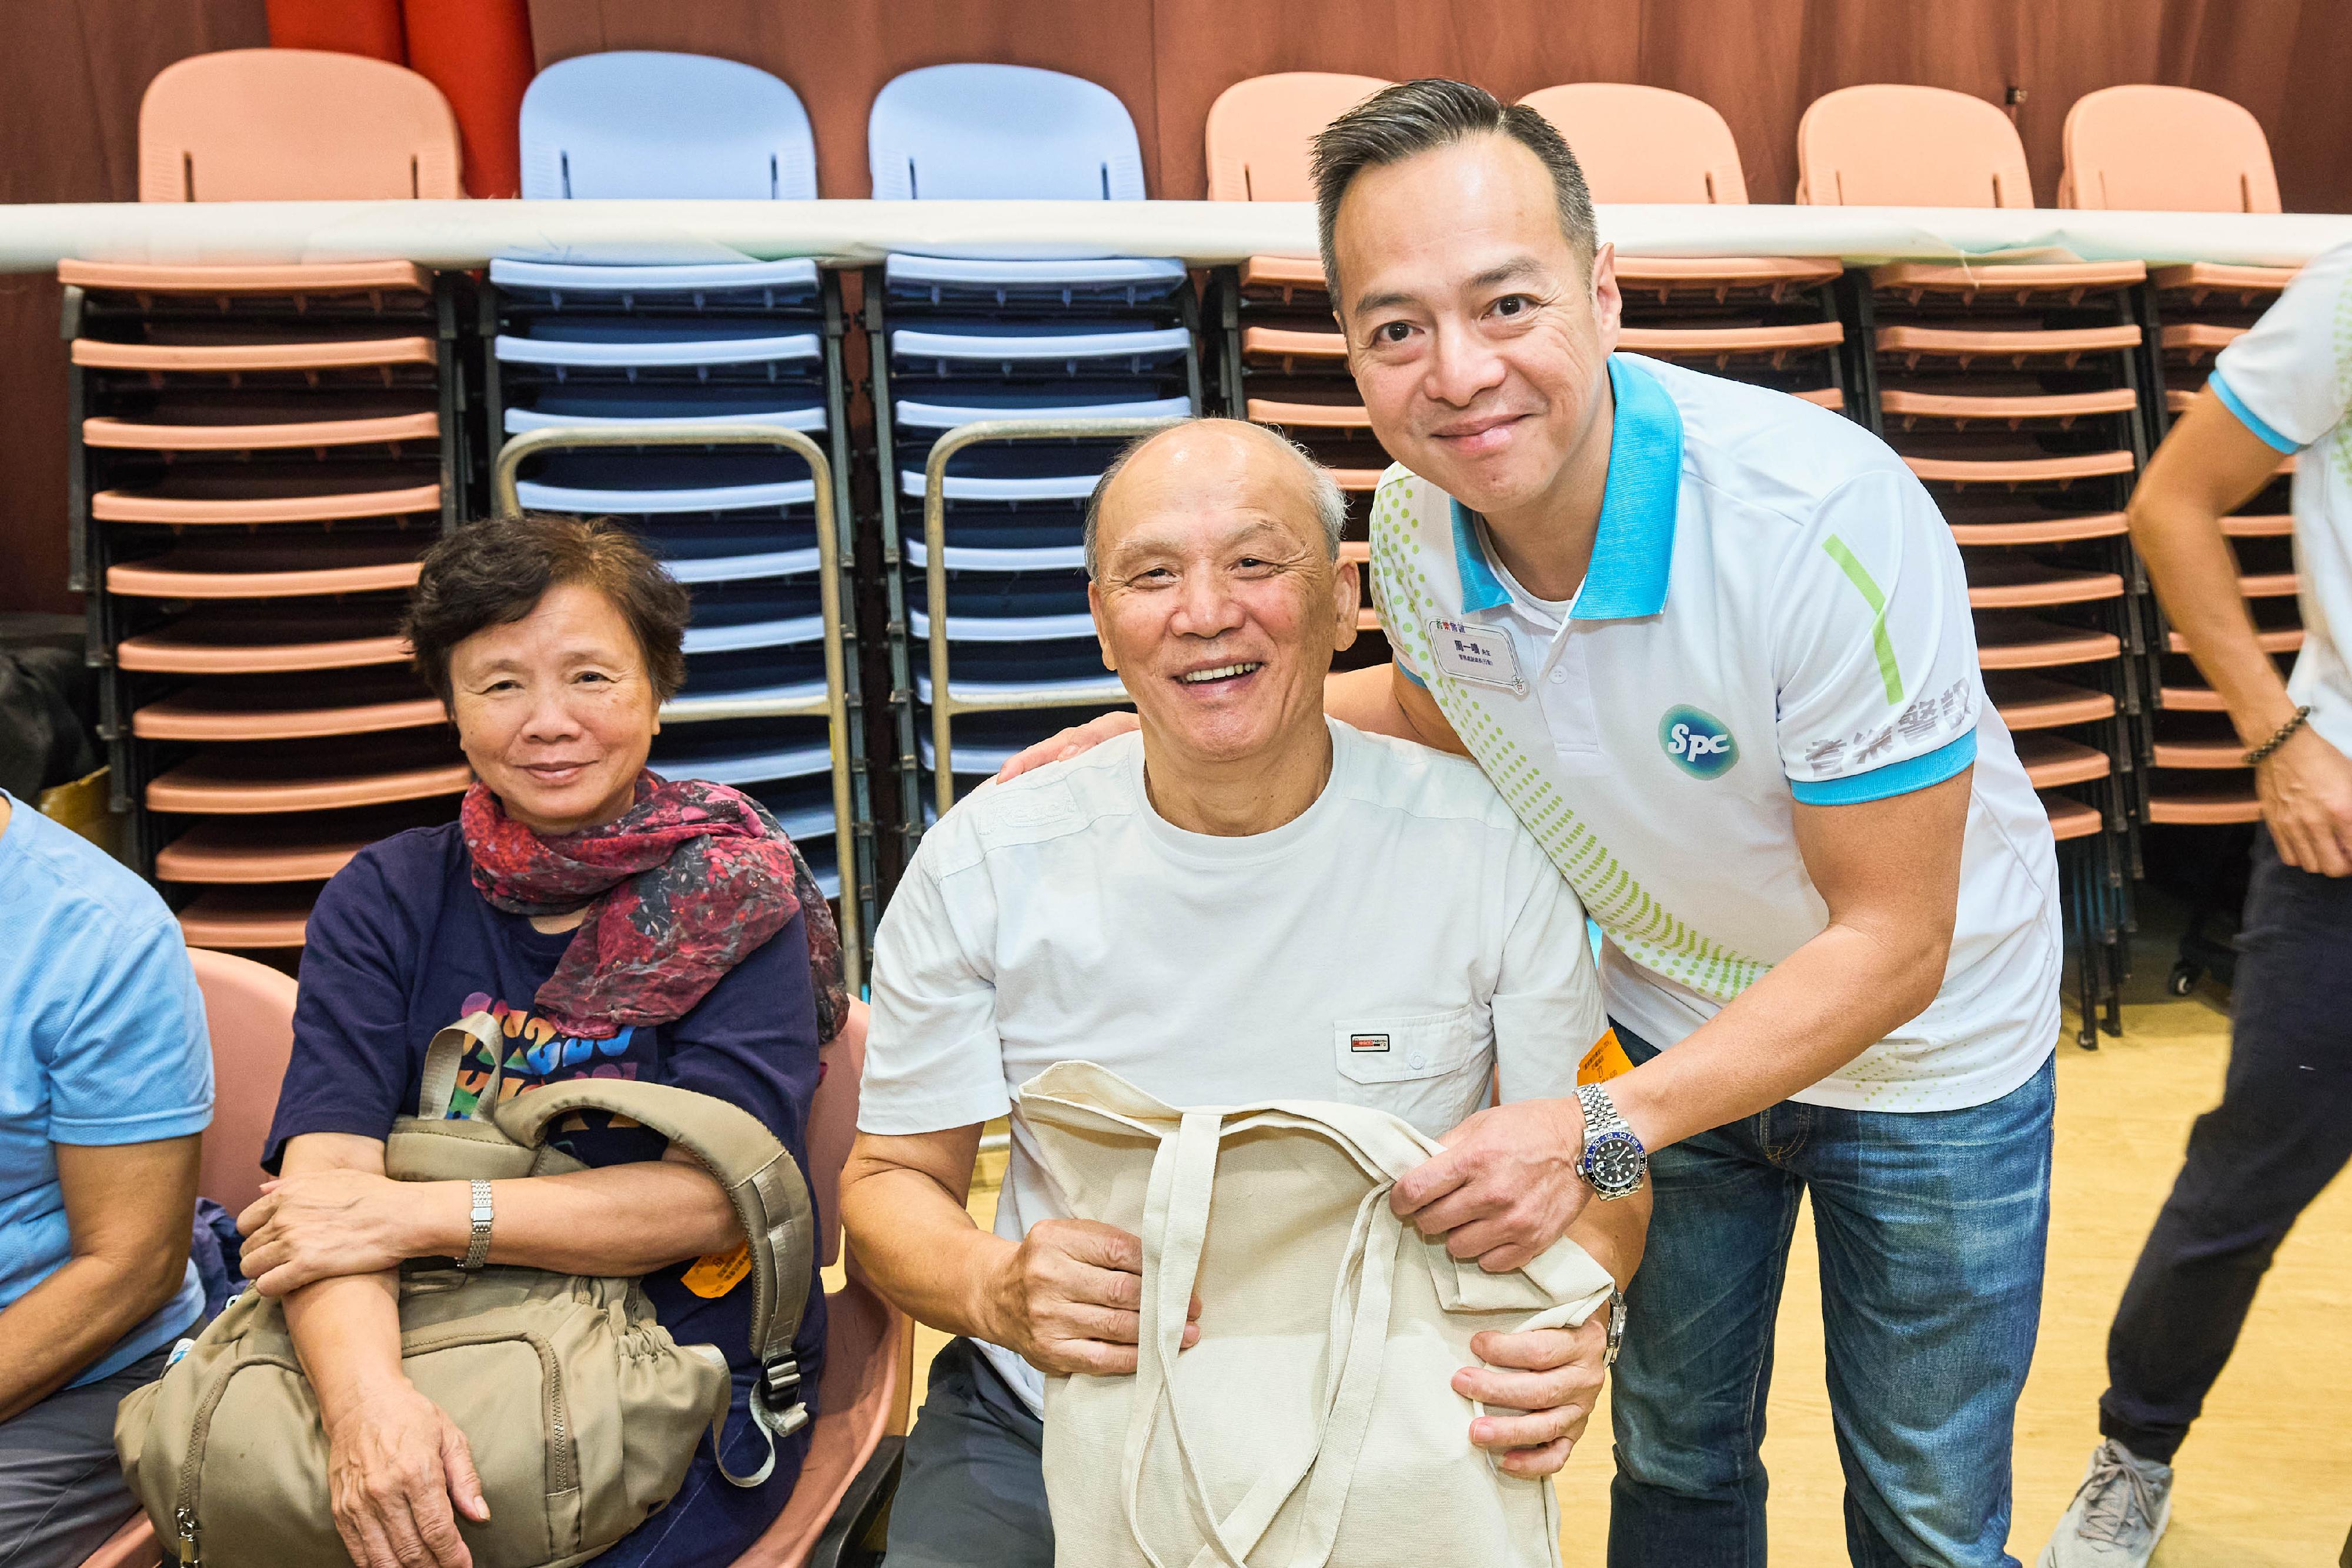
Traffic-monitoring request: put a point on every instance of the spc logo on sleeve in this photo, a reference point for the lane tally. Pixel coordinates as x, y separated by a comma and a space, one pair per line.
1699, 742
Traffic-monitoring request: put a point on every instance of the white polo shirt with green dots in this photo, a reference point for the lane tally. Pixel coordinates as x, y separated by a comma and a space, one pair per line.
1775, 613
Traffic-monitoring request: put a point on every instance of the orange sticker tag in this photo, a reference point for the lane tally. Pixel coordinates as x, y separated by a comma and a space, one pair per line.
1605, 1062
717, 1273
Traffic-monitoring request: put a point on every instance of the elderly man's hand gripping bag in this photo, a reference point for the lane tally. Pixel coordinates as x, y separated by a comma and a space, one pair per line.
1315, 1423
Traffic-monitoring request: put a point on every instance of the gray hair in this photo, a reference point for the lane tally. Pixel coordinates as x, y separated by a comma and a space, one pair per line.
1397, 122
1330, 501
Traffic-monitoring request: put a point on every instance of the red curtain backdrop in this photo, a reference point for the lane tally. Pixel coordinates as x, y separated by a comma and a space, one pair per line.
72, 75
479, 53
371, 27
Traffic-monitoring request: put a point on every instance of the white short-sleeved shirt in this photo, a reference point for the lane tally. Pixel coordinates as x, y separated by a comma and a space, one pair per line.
2289, 381
1775, 613
1402, 944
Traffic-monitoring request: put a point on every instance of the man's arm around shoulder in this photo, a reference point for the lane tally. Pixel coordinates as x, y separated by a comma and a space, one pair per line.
1383, 699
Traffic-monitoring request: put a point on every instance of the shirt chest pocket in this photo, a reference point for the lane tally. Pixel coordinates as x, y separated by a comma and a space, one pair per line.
1431, 1069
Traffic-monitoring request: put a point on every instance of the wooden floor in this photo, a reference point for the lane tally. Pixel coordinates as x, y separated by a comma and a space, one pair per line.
2265, 1480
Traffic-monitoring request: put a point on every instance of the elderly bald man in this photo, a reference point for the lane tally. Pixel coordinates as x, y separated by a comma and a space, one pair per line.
1242, 900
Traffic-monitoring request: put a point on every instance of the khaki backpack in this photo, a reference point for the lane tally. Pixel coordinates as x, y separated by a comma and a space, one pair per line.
1315, 1423
581, 1412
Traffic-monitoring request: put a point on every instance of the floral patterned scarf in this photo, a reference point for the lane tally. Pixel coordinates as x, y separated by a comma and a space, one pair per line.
679, 888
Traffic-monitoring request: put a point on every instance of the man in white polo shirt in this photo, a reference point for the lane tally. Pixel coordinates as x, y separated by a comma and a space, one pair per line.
1247, 901
1713, 644
2284, 1129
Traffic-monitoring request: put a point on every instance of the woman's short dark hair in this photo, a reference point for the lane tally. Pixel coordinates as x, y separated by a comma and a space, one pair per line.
1413, 117
494, 572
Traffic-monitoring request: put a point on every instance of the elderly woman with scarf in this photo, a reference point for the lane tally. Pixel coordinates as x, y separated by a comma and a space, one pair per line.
618, 924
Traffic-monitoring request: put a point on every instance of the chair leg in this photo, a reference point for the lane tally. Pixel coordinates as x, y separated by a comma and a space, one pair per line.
2114, 933
2086, 946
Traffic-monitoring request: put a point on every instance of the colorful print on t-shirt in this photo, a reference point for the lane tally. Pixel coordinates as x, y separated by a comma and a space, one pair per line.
536, 1054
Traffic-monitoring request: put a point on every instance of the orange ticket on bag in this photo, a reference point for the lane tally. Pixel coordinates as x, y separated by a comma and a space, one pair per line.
1605, 1062
717, 1273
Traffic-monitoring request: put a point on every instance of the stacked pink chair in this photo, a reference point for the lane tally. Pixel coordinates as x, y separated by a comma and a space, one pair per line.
1280, 358
1769, 319
2174, 149
2015, 392
262, 452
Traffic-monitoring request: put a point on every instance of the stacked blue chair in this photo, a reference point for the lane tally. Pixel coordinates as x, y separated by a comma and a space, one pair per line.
961, 340
592, 345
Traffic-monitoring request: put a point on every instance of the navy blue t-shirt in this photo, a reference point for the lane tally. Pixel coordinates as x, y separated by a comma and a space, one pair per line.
402, 944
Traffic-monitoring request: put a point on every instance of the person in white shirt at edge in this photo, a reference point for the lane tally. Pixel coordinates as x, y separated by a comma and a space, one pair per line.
2283, 1128
1247, 901
1713, 643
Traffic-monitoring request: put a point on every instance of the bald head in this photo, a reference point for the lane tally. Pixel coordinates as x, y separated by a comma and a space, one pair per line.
1218, 597
1250, 464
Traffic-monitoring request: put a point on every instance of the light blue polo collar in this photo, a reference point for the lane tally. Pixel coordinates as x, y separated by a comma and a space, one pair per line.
1632, 552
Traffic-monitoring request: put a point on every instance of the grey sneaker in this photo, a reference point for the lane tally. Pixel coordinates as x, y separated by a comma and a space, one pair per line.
2117, 1515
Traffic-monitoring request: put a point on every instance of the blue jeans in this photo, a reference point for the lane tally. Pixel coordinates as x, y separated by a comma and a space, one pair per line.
1931, 1227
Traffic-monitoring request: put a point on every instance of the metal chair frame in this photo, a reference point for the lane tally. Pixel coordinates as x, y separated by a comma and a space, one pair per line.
945, 704
834, 706
834, 485
897, 628
93, 547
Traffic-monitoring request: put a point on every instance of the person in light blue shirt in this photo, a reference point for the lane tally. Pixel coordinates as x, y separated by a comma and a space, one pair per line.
106, 1081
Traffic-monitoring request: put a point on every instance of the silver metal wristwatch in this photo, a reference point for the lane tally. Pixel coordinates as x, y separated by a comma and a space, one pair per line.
477, 1249
1614, 1163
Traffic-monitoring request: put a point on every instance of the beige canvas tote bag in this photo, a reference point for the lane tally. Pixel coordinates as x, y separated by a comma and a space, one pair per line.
581, 1412
1315, 1423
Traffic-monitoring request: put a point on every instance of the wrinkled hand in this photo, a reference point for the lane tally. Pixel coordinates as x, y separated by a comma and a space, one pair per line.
324, 1224
2306, 794
1071, 1296
1070, 742
1505, 1187
1550, 1378
394, 1465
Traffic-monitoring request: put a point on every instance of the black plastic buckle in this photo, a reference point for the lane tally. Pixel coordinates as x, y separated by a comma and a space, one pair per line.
780, 1380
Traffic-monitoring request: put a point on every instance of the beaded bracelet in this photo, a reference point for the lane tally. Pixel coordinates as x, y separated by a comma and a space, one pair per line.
2285, 731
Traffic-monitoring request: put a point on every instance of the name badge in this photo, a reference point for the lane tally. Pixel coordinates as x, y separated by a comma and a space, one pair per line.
1478, 655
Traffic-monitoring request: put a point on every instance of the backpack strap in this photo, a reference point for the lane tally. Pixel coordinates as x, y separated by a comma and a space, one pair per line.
447, 1054
770, 1197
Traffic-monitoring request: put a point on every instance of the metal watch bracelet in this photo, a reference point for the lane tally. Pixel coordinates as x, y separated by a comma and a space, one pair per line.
1614, 1164
477, 1248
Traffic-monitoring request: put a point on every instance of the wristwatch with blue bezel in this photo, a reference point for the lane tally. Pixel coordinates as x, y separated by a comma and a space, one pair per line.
1614, 1163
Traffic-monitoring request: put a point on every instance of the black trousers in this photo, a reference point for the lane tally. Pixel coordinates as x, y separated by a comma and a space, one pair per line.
2282, 1131
972, 1494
